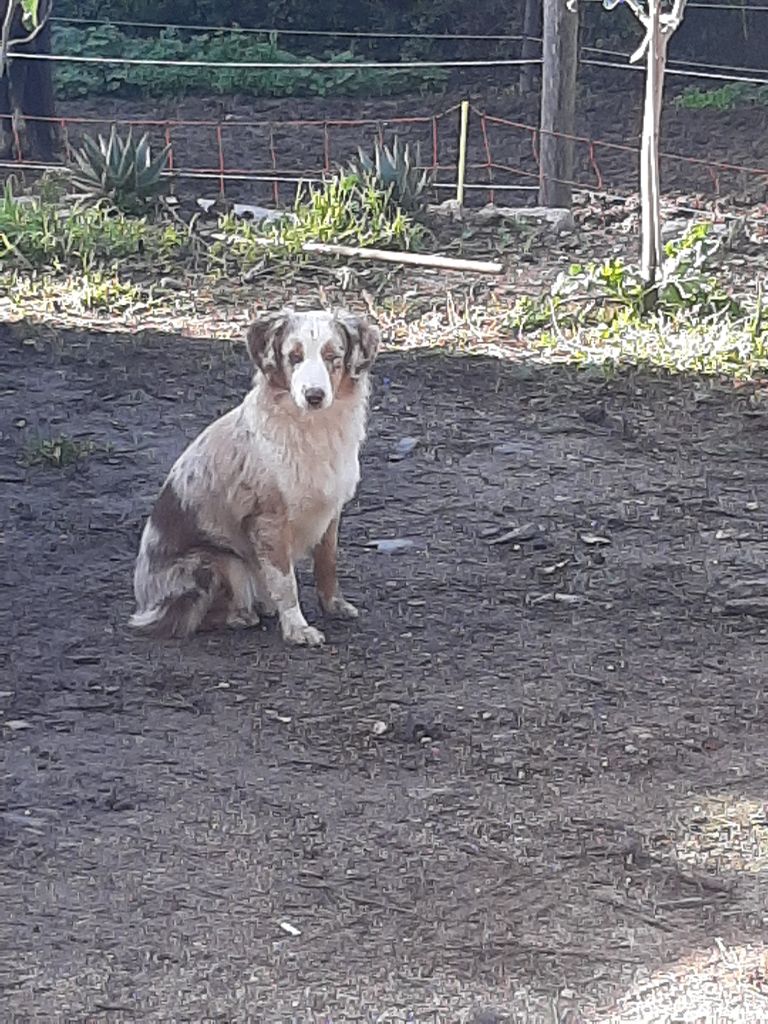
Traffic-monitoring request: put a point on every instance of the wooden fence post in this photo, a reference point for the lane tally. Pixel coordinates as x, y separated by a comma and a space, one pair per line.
560, 54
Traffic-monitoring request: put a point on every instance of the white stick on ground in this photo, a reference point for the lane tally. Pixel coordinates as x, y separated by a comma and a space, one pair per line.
409, 258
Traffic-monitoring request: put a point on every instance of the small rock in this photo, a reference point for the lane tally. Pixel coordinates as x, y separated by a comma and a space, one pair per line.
451, 209
290, 929
17, 724
593, 539
520, 533
379, 728
245, 211
486, 1015
558, 219
746, 606
550, 570
674, 229
391, 547
403, 447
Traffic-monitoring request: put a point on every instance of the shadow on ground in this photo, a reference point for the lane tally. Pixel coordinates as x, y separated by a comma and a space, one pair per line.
528, 779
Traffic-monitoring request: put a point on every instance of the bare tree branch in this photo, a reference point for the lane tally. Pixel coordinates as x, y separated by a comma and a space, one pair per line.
7, 45
5, 36
638, 11
671, 21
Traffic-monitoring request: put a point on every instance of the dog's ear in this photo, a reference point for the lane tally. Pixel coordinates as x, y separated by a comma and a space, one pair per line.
263, 340
363, 340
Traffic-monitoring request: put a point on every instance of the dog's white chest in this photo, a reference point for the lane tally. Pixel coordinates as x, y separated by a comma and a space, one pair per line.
318, 488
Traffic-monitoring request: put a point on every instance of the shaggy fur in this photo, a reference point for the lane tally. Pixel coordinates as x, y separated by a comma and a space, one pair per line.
263, 486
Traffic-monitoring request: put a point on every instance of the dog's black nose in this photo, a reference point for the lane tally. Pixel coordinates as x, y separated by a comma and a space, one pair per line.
314, 397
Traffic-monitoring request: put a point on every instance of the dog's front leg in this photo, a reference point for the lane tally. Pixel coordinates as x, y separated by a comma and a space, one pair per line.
326, 579
279, 578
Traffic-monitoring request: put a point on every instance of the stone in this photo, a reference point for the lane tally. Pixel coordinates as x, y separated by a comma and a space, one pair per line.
556, 218
451, 209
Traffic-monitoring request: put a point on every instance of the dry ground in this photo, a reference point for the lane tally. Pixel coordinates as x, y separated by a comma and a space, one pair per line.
529, 784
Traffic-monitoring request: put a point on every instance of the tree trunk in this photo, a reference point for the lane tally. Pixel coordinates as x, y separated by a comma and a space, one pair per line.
530, 47
651, 254
27, 109
558, 103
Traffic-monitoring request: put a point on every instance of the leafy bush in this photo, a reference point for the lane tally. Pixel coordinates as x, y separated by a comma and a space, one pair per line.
76, 80
57, 452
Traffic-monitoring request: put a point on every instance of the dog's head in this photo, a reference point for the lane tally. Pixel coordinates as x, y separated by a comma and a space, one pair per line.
313, 356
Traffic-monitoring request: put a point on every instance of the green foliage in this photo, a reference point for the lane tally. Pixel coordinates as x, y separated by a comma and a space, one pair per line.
596, 313
727, 97
686, 283
36, 234
76, 80
94, 240
121, 170
57, 452
394, 171
341, 211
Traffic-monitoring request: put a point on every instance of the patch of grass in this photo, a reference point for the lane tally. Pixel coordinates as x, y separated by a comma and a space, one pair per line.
103, 245
726, 97
87, 292
58, 452
35, 233
595, 314
342, 210
77, 80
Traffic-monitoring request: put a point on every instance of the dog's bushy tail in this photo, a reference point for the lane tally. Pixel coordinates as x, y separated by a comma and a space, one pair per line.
178, 616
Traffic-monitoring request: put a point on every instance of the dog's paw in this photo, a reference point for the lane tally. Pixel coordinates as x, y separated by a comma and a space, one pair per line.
243, 619
339, 608
304, 636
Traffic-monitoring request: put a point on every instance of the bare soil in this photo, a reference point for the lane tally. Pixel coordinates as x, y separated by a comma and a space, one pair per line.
528, 780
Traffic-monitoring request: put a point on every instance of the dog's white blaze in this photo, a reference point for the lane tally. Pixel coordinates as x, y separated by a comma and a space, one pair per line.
312, 373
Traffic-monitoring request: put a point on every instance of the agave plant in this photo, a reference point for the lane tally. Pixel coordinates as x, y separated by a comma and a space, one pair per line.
122, 170
394, 170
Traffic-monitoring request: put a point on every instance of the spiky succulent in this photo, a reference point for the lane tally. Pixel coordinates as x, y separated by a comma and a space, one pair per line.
394, 170
120, 169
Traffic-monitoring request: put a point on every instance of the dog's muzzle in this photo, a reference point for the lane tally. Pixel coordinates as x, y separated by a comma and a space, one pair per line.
314, 397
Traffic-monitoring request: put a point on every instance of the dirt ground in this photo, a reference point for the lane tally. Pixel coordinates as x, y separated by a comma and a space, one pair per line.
528, 786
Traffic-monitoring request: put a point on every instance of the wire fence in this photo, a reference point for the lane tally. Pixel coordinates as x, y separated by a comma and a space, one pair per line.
502, 153
600, 57
217, 156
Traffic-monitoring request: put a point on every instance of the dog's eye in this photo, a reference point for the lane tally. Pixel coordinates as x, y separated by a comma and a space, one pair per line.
295, 358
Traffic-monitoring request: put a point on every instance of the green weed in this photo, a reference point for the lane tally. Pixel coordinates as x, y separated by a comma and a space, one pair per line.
58, 452
340, 211
595, 314
37, 234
